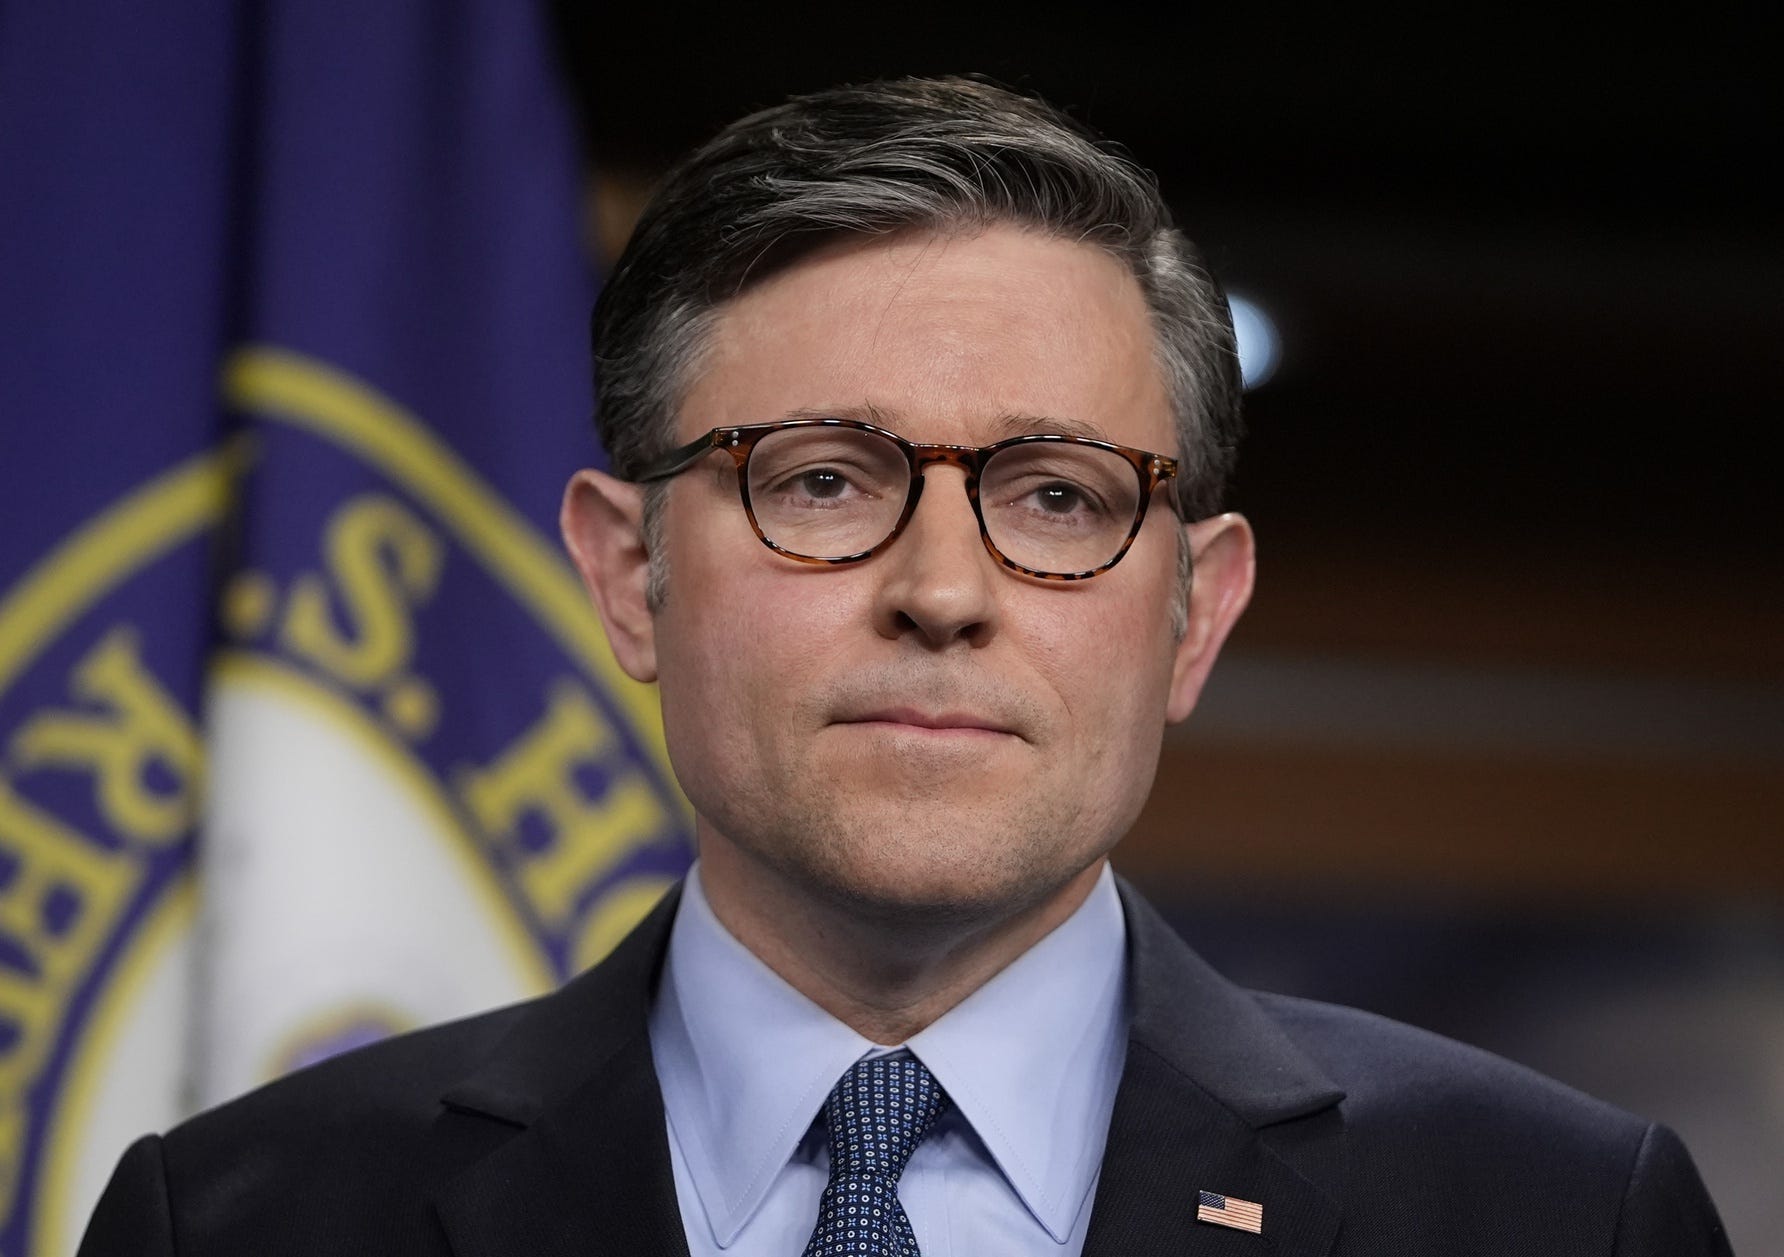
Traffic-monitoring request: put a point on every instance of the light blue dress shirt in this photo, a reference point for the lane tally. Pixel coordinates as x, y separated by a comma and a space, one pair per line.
1031, 1060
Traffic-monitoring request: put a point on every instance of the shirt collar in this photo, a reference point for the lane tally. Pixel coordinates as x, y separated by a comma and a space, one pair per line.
1032, 1060
744, 1060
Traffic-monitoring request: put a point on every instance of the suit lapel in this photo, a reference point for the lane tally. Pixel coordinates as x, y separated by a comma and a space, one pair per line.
1214, 1097
570, 1107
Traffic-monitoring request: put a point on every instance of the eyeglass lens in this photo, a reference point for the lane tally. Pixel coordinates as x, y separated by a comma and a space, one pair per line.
824, 492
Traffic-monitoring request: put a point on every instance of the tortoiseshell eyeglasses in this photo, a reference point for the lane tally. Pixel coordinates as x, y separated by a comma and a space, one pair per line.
840, 491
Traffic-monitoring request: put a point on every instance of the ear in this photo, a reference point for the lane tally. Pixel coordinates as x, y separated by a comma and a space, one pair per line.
603, 525
1225, 557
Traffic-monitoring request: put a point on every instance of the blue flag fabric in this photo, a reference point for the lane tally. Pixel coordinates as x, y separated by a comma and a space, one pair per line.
306, 731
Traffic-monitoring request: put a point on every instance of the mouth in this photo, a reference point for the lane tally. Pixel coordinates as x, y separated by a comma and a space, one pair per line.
932, 723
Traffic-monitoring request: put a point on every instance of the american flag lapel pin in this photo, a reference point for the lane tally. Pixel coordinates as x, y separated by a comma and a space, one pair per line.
1241, 1215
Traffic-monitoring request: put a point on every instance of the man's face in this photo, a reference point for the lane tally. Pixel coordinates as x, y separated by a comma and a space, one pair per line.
925, 730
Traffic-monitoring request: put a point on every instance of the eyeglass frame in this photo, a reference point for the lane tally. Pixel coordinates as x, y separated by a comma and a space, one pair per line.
1151, 470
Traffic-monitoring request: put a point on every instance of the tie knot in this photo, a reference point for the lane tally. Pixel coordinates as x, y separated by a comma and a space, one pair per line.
879, 1112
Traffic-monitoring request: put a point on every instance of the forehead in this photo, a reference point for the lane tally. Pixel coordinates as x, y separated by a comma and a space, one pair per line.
950, 336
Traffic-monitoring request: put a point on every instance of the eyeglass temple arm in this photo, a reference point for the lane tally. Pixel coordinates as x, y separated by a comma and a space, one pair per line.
679, 460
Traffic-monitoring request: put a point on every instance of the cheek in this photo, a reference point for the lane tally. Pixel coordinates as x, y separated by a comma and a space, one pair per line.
741, 644
1107, 651
706, 655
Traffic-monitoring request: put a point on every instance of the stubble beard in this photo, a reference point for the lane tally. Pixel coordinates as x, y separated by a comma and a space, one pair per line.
913, 862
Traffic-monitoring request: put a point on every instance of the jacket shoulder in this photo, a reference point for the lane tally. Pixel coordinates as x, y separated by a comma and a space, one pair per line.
366, 1132
1447, 1141
1394, 1073
1426, 1145
352, 1154
394, 1083
1476, 1145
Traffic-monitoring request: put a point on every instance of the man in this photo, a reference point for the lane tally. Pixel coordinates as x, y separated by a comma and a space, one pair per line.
920, 411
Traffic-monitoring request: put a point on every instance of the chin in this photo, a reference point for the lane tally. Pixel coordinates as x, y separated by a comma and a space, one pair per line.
938, 852
946, 874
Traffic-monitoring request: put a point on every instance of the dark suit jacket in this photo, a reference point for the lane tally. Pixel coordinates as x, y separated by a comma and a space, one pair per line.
538, 1130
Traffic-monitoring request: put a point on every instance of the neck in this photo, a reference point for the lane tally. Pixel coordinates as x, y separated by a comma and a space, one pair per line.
884, 971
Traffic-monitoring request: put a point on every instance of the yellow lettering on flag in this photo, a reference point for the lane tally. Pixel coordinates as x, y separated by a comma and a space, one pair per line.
382, 561
586, 836
59, 902
139, 726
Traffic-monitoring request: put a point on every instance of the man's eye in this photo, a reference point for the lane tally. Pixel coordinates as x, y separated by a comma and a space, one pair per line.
823, 485
822, 482
1060, 499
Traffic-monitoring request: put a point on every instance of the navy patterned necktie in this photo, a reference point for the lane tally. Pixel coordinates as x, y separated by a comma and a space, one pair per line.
878, 1114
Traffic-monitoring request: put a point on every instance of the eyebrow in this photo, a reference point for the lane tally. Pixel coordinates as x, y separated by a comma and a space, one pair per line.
867, 412
1017, 424
1008, 424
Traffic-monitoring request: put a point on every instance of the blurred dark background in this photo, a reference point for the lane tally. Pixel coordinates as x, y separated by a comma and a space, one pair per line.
1497, 749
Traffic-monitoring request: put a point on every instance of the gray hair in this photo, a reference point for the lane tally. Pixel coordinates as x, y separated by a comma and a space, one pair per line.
941, 154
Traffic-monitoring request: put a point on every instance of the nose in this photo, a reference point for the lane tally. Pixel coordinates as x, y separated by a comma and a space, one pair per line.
937, 582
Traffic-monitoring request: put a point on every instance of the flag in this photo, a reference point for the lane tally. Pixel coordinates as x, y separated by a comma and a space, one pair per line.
307, 734
1241, 1215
